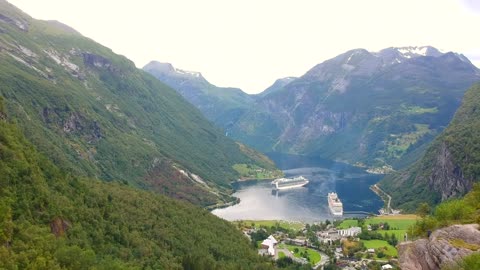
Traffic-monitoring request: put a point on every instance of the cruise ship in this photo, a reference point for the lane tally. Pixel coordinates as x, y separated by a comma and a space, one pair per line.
335, 205
286, 183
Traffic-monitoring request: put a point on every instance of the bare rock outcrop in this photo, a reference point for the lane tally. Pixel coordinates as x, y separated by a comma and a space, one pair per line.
444, 246
447, 177
59, 226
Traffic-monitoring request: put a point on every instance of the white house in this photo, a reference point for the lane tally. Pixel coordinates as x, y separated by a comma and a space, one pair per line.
269, 244
387, 266
353, 231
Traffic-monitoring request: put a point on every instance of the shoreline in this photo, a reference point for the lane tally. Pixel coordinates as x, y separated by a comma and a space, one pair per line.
387, 200
252, 179
211, 208
223, 205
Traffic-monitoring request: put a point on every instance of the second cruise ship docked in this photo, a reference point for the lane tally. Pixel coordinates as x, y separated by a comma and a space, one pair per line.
286, 183
335, 205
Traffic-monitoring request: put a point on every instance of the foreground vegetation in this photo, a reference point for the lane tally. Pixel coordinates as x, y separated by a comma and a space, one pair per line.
455, 211
53, 220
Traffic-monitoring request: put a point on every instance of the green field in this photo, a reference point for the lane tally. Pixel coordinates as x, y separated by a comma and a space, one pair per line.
398, 233
347, 223
376, 244
289, 225
399, 143
412, 110
400, 222
251, 171
281, 254
313, 255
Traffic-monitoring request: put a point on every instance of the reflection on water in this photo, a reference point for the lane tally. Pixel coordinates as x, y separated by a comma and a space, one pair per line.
308, 203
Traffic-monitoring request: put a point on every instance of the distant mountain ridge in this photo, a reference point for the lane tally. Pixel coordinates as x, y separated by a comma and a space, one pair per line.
221, 105
277, 85
373, 109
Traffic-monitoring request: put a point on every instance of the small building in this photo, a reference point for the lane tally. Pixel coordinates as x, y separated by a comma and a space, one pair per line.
387, 266
353, 231
371, 250
297, 241
269, 245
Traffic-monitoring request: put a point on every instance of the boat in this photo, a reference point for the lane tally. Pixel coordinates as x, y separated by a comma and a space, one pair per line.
287, 183
335, 205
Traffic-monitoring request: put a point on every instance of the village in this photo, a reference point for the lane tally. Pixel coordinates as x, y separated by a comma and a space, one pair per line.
344, 244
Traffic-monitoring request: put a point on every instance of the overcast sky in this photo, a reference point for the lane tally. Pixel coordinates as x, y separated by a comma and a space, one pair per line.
251, 43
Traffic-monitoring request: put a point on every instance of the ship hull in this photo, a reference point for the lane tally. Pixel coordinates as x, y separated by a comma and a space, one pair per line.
335, 205
289, 183
290, 187
336, 214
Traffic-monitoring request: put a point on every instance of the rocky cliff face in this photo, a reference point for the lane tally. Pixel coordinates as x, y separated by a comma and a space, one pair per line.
447, 177
444, 246
450, 165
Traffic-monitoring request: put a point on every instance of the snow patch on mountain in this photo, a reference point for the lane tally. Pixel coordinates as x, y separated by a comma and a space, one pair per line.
186, 72
408, 52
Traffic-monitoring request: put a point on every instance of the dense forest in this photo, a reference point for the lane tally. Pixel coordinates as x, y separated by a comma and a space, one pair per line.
53, 220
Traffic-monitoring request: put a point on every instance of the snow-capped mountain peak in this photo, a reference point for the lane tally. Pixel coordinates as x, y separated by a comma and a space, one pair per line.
186, 72
413, 51
407, 52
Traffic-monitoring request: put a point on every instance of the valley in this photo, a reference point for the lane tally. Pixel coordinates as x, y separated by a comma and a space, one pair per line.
105, 164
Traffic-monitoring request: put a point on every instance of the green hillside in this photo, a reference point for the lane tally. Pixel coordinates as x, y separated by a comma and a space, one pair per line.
53, 220
95, 114
449, 167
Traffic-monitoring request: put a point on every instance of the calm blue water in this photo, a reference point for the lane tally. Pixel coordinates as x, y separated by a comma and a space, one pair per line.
309, 203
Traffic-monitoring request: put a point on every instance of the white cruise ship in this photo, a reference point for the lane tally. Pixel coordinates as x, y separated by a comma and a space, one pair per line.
335, 205
286, 183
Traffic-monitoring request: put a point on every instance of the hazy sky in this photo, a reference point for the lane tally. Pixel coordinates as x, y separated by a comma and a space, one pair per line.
251, 43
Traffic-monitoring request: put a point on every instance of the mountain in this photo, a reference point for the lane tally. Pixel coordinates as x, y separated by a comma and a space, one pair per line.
95, 114
277, 85
376, 109
223, 106
50, 219
449, 167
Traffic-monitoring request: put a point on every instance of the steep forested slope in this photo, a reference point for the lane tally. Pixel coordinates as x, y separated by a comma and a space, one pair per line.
53, 220
95, 114
449, 167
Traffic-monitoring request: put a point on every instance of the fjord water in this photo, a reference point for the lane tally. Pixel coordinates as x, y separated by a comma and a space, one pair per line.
309, 203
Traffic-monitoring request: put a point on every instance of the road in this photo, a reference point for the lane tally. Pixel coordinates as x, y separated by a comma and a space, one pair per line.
387, 209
